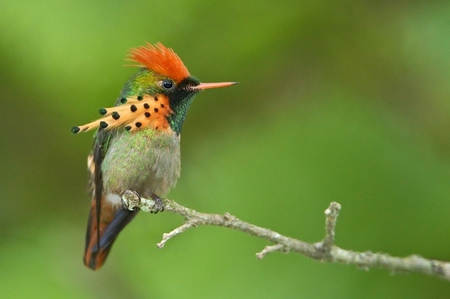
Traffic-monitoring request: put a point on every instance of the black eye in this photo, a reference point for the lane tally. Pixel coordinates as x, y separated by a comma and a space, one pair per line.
167, 84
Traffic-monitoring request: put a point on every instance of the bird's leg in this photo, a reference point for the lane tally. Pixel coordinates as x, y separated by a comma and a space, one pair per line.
159, 205
130, 200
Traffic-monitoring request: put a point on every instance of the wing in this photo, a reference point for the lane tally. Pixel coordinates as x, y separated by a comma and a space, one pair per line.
105, 221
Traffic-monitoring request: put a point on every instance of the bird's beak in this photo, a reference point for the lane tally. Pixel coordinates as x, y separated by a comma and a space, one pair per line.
204, 86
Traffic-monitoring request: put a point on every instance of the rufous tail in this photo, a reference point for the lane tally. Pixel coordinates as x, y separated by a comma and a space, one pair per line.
100, 235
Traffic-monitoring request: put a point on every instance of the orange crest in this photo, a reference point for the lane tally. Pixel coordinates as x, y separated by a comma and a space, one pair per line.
160, 60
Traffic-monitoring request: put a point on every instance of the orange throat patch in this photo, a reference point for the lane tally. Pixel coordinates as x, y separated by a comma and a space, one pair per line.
135, 113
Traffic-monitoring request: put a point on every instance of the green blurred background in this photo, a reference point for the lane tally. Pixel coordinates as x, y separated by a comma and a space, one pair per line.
343, 101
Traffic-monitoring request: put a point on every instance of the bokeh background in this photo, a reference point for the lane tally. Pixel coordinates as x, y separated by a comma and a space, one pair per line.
343, 101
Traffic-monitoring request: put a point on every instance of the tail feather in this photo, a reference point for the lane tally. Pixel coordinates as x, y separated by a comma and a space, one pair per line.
99, 240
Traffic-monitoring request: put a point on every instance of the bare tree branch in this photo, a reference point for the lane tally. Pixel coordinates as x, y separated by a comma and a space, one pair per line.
324, 250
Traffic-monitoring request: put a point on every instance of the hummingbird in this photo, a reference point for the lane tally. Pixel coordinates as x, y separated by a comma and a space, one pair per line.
137, 144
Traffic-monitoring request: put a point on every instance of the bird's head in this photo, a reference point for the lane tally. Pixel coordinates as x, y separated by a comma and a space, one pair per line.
158, 96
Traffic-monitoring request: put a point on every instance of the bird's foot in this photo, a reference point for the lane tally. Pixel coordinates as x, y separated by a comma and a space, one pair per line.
130, 200
159, 205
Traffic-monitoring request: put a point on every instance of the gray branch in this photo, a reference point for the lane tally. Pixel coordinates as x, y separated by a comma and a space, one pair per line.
324, 250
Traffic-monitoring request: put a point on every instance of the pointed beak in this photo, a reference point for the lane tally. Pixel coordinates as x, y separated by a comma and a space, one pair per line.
204, 86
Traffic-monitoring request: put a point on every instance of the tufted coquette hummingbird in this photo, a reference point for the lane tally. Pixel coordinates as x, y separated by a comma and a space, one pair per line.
137, 144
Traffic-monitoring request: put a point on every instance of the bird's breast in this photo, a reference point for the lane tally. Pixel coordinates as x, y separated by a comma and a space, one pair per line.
146, 161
